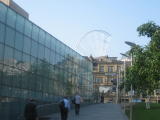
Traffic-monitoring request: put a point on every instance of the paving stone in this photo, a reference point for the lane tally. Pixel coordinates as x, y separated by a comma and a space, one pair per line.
96, 112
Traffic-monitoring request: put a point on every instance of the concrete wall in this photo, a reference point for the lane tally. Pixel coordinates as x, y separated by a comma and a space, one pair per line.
5, 1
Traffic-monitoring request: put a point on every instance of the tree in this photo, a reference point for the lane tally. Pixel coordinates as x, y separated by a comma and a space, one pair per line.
148, 29
144, 75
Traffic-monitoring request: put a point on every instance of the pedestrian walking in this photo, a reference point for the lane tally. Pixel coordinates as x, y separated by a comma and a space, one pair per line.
64, 106
77, 102
102, 98
30, 112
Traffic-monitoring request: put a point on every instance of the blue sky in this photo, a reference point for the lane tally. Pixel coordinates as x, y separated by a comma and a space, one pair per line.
69, 20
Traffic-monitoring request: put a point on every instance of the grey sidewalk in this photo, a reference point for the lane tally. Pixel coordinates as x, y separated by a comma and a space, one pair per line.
97, 112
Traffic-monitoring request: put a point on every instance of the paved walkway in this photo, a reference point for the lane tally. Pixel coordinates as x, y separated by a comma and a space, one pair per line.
97, 112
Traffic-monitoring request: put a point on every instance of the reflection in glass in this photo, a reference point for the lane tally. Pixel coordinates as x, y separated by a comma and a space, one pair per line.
35, 32
19, 41
42, 36
2, 32
8, 56
41, 51
34, 64
1, 53
20, 24
34, 48
18, 59
28, 28
10, 34
3, 11
11, 18
48, 40
27, 45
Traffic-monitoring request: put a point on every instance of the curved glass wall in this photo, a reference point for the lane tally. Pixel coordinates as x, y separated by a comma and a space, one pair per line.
34, 64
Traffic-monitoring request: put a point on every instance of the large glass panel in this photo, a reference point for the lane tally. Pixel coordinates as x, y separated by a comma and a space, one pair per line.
1, 73
41, 70
53, 43
63, 50
45, 85
18, 58
39, 83
11, 18
57, 58
34, 48
48, 40
19, 41
28, 28
42, 36
58, 46
2, 32
10, 34
66, 52
8, 56
7, 75
1, 53
41, 51
17, 78
3, 11
51, 86
27, 45
35, 32
20, 23
53, 57
26, 62
32, 82
47, 54
25, 77
34, 64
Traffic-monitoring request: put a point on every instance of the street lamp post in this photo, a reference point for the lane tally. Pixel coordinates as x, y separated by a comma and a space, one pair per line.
132, 45
117, 87
118, 83
124, 77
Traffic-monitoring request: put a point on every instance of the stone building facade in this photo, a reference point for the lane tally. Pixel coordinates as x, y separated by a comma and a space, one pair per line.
108, 72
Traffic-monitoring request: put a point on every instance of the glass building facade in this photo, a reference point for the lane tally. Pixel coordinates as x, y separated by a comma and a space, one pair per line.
34, 64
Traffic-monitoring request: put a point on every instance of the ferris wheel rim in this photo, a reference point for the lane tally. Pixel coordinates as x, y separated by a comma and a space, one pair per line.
95, 30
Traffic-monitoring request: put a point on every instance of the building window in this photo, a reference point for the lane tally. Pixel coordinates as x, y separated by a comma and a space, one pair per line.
110, 68
106, 80
109, 79
101, 68
98, 80
95, 66
118, 68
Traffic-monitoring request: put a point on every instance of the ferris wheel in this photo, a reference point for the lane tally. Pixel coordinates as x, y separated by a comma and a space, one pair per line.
94, 42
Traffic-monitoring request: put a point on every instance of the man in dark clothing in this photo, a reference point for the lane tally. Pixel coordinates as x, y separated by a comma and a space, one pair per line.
77, 102
102, 99
64, 106
30, 112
